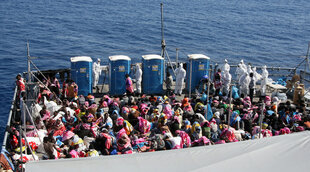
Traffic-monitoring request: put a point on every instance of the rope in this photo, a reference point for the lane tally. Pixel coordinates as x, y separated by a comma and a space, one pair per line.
44, 85
35, 128
39, 70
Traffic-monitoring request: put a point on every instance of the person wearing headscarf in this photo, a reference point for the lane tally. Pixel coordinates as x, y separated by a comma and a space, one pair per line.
179, 80
123, 142
196, 131
217, 82
96, 72
125, 124
129, 86
144, 125
185, 139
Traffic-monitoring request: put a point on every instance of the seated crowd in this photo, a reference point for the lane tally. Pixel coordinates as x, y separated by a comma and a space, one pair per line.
78, 126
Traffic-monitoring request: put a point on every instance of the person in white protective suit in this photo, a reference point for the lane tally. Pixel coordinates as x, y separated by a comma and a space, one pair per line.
239, 71
96, 73
226, 77
138, 76
257, 76
264, 80
226, 67
244, 84
249, 69
179, 79
243, 65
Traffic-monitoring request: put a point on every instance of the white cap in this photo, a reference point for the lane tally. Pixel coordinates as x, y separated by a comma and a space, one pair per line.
217, 114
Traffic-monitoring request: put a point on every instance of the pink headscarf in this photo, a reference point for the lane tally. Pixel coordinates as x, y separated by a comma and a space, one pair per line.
105, 104
267, 100
125, 110
108, 142
168, 111
229, 135
220, 142
202, 141
107, 98
119, 121
74, 154
267, 133
144, 125
185, 139
121, 133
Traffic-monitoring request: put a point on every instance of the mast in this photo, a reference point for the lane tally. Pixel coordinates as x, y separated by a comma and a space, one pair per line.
177, 56
163, 42
307, 65
28, 62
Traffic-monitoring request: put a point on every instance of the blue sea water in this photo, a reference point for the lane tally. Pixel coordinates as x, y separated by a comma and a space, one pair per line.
269, 32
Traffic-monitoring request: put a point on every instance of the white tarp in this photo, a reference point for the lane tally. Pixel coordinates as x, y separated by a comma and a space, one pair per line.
279, 153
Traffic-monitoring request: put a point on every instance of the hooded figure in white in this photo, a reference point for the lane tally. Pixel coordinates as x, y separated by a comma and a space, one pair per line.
249, 69
96, 72
257, 76
179, 79
264, 80
243, 65
226, 77
226, 67
244, 82
240, 71
138, 76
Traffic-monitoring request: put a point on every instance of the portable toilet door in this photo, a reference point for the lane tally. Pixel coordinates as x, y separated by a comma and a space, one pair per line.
153, 74
119, 66
197, 67
81, 73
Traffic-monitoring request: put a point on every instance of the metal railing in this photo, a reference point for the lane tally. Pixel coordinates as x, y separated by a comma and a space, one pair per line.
6, 134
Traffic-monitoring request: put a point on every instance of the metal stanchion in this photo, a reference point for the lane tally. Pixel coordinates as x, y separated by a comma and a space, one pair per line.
229, 108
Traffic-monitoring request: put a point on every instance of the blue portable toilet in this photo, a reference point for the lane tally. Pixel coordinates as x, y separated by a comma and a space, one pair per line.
119, 66
81, 73
153, 74
197, 67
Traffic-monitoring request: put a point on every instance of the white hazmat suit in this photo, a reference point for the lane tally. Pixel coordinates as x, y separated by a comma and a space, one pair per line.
138, 76
244, 82
226, 67
96, 72
179, 79
249, 69
240, 71
257, 76
243, 65
226, 77
264, 80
